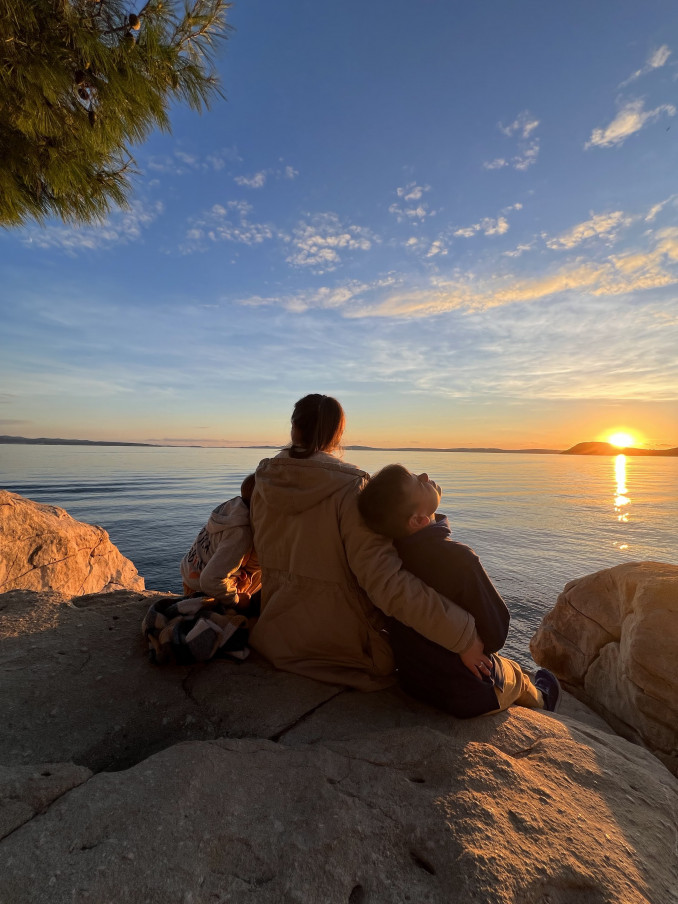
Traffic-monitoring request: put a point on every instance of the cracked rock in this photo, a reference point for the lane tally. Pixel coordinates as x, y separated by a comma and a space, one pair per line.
43, 548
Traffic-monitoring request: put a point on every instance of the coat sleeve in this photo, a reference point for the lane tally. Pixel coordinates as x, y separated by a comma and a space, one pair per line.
218, 578
379, 571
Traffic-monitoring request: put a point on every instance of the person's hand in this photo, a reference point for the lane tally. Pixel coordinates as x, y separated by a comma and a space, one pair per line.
475, 659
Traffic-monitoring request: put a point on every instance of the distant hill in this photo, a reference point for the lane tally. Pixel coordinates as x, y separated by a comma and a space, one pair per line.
609, 449
47, 441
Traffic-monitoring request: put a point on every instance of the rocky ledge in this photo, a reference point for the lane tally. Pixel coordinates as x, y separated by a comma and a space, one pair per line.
125, 782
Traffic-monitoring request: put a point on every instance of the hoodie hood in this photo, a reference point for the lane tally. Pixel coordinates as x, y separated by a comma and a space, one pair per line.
233, 513
294, 485
438, 529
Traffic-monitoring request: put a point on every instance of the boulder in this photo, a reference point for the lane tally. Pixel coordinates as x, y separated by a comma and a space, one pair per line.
225, 782
43, 548
612, 638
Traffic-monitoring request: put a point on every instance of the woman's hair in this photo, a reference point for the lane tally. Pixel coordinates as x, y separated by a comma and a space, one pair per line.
247, 488
319, 424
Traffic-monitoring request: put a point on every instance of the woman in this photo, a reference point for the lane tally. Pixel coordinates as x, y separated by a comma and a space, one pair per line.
327, 580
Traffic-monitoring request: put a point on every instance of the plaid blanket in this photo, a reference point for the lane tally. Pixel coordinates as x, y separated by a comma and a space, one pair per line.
194, 630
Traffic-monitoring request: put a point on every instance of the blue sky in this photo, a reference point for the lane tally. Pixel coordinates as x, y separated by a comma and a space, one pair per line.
460, 219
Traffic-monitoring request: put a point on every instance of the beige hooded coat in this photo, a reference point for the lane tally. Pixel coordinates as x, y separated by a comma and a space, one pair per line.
324, 573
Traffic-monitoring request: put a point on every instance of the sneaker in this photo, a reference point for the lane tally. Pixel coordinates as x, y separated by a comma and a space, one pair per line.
549, 686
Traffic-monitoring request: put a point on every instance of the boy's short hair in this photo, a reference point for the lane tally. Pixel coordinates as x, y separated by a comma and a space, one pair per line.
384, 502
247, 487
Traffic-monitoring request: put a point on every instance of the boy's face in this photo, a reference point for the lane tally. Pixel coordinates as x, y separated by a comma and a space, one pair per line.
424, 496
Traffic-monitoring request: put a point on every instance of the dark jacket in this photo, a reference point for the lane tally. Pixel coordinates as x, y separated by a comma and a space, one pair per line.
425, 669
454, 570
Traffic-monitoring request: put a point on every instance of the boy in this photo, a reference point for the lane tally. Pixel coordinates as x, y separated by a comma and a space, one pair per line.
222, 562
402, 506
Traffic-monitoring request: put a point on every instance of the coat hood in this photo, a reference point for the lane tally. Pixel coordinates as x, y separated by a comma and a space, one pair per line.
233, 513
293, 485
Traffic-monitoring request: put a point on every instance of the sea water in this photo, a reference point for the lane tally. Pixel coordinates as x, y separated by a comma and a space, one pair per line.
536, 521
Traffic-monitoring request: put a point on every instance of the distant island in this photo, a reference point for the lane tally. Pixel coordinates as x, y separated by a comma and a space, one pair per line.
593, 448
48, 441
590, 448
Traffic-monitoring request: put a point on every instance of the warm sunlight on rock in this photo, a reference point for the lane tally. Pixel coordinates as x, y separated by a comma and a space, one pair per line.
623, 440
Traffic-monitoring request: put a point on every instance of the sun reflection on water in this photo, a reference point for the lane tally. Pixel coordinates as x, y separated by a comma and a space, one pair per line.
621, 500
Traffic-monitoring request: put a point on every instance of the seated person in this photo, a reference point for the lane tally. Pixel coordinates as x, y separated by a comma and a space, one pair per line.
402, 506
222, 562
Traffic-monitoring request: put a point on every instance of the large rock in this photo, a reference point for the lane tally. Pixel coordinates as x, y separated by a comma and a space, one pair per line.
43, 548
613, 638
535, 813
287, 790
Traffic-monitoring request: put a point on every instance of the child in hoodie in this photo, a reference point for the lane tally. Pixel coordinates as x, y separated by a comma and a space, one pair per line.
402, 506
222, 562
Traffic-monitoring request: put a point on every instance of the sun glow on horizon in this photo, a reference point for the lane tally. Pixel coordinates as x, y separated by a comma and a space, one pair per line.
622, 440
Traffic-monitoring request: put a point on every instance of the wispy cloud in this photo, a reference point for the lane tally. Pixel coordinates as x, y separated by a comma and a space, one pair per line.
523, 125
228, 222
602, 225
656, 60
527, 157
437, 247
319, 241
630, 119
323, 298
120, 227
521, 128
487, 226
258, 180
616, 275
519, 249
180, 162
411, 207
656, 209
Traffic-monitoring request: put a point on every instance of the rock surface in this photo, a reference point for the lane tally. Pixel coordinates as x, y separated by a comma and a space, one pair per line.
533, 814
77, 685
613, 638
287, 790
43, 548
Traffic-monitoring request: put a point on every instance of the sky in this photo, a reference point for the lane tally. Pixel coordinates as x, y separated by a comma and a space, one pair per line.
460, 219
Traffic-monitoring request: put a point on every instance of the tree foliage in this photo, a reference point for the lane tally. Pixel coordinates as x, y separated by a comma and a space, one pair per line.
81, 81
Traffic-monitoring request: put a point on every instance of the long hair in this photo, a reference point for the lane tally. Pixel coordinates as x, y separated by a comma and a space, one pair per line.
319, 424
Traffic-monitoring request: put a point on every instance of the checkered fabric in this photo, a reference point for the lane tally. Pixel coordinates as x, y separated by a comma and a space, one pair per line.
194, 630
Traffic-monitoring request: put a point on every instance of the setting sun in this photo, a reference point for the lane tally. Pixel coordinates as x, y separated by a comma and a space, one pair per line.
622, 440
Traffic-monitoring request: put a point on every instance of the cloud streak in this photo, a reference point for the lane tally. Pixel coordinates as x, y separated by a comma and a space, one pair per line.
630, 119
390, 298
616, 275
122, 226
604, 225
656, 60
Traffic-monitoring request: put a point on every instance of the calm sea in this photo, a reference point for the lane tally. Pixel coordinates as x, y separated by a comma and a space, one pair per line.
536, 521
